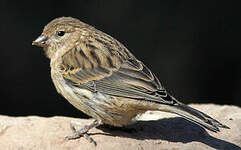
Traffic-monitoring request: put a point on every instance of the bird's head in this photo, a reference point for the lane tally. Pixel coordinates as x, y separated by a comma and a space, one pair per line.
60, 34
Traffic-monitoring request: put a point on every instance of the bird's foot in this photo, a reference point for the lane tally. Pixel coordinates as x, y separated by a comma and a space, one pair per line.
83, 132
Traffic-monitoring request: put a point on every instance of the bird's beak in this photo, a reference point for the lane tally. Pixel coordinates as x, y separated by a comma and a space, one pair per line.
41, 41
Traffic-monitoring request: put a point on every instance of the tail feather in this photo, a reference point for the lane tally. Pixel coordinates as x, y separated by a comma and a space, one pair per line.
195, 116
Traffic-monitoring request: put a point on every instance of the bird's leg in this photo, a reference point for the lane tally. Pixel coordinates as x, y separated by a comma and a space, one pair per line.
83, 132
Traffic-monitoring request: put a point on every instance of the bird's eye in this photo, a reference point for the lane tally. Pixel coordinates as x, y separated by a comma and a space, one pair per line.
60, 33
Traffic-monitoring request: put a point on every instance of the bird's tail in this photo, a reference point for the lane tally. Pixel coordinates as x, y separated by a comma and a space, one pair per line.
194, 115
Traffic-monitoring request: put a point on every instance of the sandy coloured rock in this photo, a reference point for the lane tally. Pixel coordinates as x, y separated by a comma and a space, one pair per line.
153, 131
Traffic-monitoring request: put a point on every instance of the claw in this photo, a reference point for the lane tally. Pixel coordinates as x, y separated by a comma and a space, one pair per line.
83, 131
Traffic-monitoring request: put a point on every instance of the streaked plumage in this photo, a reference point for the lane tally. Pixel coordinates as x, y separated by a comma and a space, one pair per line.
101, 77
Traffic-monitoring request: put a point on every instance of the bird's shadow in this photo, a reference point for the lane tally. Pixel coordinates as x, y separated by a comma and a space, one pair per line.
170, 129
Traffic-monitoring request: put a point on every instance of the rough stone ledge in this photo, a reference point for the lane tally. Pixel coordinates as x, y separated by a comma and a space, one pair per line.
153, 131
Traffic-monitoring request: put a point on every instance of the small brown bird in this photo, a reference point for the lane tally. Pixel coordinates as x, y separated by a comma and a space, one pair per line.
102, 78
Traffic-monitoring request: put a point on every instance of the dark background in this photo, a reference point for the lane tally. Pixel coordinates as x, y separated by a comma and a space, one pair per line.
192, 46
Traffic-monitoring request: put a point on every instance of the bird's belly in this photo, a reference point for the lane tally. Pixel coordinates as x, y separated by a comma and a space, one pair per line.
116, 111
109, 109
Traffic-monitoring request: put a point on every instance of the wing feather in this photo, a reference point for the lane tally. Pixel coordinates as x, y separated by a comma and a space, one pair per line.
113, 70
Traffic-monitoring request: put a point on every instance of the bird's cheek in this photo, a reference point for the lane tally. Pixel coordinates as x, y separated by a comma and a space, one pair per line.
50, 50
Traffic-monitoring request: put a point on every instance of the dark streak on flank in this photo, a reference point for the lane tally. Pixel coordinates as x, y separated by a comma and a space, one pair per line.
75, 51
83, 66
111, 51
86, 59
106, 44
110, 62
83, 54
120, 59
91, 46
108, 38
95, 56
92, 65
100, 41
75, 57
121, 56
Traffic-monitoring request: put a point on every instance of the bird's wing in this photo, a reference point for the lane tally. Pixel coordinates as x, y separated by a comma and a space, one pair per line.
100, 68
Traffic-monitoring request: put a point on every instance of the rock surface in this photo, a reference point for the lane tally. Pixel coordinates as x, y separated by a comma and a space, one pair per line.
153, 131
